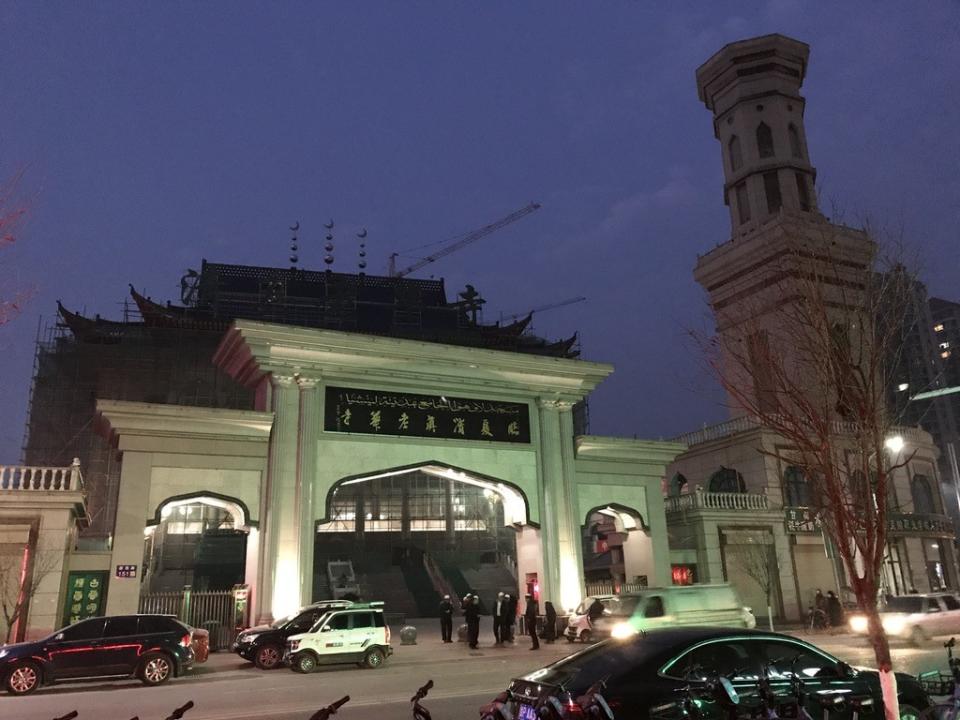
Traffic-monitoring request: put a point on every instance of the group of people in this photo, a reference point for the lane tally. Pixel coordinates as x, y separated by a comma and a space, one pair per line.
827, 609
504, 613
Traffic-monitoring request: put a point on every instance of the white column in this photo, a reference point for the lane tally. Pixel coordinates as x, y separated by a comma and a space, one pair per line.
311, 413
560, 535
123, 594
281, 555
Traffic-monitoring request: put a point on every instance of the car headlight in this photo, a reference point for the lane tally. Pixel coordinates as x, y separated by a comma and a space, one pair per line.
894, 625
622, 630
858, 623
249, 638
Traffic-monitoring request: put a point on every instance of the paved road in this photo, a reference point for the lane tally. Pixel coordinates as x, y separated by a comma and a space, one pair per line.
226, 688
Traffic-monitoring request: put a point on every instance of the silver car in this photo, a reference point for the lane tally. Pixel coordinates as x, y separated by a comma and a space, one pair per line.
915, 618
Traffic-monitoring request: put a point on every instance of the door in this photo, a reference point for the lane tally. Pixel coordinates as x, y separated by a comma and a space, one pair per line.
77, 650
122, 645
823, 677
333, 635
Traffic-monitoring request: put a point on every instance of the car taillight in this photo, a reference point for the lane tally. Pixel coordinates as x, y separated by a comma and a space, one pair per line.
186, 640
571, 709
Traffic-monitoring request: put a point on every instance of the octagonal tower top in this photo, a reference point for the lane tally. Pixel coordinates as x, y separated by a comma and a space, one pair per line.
753, 89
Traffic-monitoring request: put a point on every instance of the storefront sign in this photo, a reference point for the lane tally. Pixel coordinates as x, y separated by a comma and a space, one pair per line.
127, 571
916, 524
84, 596
800, 520
373, 412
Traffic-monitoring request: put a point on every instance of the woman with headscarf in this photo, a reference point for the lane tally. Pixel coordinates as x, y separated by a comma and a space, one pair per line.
549, 633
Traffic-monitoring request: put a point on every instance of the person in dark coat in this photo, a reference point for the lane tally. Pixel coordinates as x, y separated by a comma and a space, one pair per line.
509, 619
446, 619
549, 623
471, 613
530, 619
834, 610
595, 611
499, 608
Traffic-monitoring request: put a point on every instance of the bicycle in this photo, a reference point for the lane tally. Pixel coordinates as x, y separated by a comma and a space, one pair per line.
937, 683
331, 709
817, 619
419, 711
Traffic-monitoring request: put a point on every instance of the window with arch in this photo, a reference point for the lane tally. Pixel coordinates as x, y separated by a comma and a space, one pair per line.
733, 150
764, 140
924, 499
797, 487
794, 135
677, 483
727, 480
743, 202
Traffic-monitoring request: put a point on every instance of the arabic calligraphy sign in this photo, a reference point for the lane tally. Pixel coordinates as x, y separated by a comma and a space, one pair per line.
372, 412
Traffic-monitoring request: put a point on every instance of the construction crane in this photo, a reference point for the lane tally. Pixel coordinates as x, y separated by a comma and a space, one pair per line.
551, 306
462, 242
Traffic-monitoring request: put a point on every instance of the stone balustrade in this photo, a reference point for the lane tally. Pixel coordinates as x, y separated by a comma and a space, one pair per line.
31, 478
701, 500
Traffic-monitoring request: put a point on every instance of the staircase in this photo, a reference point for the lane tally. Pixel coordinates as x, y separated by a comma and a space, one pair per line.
389, 585
420, 585
488, 580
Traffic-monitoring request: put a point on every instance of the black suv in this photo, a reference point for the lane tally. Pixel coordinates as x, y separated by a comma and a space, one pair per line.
263, 645
152, 647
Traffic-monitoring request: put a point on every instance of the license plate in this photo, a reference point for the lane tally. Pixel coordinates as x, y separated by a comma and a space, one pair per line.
527, 712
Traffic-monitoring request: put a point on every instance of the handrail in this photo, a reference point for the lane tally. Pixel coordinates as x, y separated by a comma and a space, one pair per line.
30, 478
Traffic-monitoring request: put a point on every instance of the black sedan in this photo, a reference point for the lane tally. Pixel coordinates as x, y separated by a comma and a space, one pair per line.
645, 676
151, 647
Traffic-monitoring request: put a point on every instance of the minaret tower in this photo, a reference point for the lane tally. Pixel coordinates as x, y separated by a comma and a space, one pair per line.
752, 87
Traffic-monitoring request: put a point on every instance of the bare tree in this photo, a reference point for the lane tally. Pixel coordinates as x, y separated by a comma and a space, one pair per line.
760, 563
19, 582
809, 356
12, 212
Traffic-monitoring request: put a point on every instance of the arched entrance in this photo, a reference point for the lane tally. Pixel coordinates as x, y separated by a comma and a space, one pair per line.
409, 535
197, 540
617, 549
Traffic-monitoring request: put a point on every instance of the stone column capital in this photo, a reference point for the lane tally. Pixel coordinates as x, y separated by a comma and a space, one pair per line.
281, 381
307, 383
558, 404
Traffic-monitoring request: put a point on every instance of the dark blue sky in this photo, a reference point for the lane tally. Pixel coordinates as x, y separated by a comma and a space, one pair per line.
154, 135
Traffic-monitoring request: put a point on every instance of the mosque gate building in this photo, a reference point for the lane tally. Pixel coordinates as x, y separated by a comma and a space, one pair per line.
389, 461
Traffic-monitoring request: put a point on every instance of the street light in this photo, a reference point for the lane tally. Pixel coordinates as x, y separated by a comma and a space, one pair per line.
894, 443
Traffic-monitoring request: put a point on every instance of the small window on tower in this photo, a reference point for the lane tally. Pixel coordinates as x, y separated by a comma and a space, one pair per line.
736, 159
794, 141
938, 327
743, 203
764, 140
802, 192
771, 184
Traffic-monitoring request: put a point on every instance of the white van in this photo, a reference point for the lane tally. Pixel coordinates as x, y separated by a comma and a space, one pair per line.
355, 634
625, 615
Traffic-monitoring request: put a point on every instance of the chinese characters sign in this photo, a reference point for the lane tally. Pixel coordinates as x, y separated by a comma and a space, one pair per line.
386, 413
84, 596
801, 520
127, 571
919, 524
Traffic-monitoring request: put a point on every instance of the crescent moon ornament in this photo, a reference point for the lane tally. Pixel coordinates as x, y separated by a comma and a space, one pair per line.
362, 234
329, 225
295, 226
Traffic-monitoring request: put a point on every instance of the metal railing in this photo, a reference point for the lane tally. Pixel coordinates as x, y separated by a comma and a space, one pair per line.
214, 611
29, 478
701, 500
747, 423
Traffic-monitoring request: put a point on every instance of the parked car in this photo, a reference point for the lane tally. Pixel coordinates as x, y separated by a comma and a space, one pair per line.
915, 618
357, 634
151, 647
263, 645
645, 674
625, 615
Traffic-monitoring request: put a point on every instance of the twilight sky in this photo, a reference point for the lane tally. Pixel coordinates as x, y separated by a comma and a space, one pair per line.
154, 135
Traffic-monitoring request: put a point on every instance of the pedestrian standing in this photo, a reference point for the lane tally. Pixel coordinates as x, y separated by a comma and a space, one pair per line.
530, 618
446, 619
509, 619
549, 623
472, 615
498, 607
834, 610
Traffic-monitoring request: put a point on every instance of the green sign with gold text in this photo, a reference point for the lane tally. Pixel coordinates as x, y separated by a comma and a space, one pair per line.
85, 595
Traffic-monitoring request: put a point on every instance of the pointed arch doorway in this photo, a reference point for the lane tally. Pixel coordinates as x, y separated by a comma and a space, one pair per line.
409, 535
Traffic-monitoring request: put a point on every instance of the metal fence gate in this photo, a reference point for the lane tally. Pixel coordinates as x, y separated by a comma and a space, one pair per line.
218, 612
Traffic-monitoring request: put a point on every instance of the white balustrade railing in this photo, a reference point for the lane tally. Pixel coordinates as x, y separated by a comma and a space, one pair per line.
30, 478
700, 500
